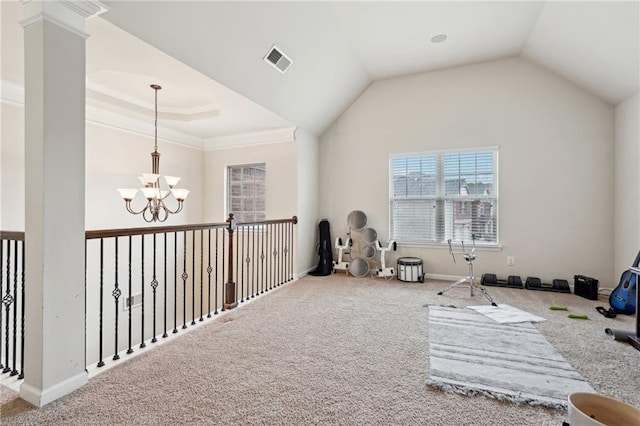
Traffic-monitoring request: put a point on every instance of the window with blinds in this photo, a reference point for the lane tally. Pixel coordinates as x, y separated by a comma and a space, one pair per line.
439, 196
246, 192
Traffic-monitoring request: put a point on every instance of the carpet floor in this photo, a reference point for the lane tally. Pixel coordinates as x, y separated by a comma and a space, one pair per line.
330, 350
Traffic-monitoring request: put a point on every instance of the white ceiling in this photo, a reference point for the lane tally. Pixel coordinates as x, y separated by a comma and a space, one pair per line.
208, 55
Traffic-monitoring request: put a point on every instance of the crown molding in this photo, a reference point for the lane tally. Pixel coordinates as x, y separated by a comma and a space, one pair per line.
13, 94
68, 14
250, 139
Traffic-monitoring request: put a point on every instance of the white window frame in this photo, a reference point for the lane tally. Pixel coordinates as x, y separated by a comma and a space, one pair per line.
229, 190
439, 199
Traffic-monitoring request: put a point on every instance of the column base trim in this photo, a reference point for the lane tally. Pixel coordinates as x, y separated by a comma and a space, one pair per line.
41, 397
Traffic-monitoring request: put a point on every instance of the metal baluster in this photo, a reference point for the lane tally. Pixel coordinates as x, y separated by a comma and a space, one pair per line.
280, 245
184, 281
142, 343
216, 277
209, 270
262, 235
223, 271
116, 295
154, 286
100, 361
130, 350
254, 265
274, 263
291, 245
1, 266
7, 299
175, 282
201, 271
241, 273
238, 265
14, 372
21, 376
285, 250
193, 277
268, 257
164, 334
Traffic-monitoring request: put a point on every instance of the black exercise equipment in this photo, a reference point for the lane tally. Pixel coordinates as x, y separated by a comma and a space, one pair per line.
558, 285
513, 281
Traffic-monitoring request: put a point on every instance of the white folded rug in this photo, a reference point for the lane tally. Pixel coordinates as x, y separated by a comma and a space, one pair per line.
505, 314
470, 353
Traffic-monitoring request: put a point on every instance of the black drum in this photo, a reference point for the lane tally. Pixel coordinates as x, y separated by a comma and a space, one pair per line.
410, 269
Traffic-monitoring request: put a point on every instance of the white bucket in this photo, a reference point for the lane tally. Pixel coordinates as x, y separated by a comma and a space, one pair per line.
590, 409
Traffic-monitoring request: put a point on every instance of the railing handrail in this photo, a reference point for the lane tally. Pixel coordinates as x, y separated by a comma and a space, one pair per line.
12, 235
124, 232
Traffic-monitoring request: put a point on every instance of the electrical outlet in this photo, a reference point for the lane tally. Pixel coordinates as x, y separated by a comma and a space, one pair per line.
511, 261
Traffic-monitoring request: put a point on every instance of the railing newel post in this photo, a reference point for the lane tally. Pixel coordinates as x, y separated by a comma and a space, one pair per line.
230, 300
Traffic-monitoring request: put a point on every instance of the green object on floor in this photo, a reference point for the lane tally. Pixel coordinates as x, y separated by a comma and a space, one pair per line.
558, 308
575, 316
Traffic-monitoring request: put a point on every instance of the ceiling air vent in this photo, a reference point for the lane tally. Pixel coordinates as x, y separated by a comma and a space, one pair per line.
278, 59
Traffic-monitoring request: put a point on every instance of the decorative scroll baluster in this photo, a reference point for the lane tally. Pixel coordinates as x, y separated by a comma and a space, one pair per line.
175, 282
216, 277
7, 300
1, 266
130, 350
164, 334
184, 281
116, 295
154, 286
201, 271
254, 265
100, 331
209, 270
14, 372
193, 277
286, 253
142, 343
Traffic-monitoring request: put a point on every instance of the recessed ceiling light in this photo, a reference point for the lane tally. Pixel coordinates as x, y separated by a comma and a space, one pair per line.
438, 38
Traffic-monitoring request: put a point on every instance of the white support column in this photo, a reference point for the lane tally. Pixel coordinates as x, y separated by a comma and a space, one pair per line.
55, 197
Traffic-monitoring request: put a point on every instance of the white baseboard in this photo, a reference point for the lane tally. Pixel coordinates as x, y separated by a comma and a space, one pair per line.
443, 277
41, 397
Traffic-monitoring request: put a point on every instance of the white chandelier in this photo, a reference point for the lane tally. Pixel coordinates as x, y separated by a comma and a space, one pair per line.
156, 210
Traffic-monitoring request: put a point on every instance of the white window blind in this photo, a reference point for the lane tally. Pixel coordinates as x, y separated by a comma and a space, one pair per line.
246, 192
439, 196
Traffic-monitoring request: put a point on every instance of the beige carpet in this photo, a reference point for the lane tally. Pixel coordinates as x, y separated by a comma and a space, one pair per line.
330, 350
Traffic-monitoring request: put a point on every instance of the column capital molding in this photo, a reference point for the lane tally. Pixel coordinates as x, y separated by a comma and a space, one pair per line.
68, 14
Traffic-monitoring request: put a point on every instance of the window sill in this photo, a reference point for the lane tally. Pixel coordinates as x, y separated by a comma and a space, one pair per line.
479, 247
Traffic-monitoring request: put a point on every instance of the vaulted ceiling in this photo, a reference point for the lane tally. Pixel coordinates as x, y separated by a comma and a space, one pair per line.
208, 55
339, 48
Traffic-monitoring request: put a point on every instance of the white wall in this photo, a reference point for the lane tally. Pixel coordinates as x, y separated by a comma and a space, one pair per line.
308, 186
627, 190
555, 174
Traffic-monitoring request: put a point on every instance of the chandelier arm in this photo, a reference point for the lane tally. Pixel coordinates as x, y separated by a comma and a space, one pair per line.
162, 213
177, 210
151, 212
130, 210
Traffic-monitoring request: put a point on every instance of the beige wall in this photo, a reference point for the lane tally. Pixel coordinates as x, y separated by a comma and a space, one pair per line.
627, 191
12, 168
307, 200
114, 159
281, 193
555, 172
